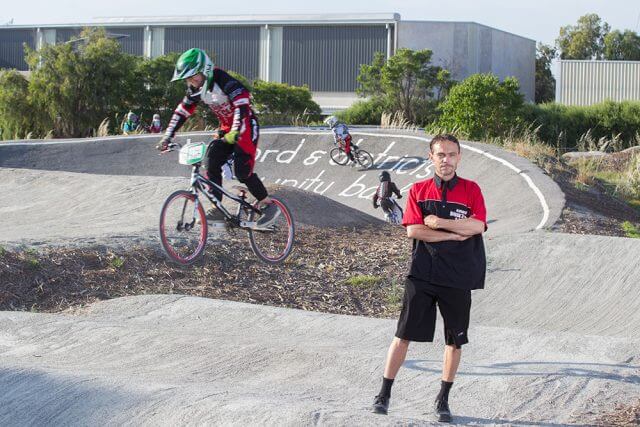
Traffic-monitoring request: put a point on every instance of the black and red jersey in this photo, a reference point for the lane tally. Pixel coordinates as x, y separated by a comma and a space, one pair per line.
385, 190
449, 263
229, 100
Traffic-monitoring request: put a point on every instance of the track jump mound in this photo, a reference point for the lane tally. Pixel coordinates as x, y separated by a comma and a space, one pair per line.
319, 211
518, 195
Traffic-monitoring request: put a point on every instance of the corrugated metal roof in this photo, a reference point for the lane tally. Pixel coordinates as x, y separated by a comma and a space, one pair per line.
312, 19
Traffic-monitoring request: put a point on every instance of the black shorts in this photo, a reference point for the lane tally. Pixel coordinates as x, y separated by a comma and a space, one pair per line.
417, 320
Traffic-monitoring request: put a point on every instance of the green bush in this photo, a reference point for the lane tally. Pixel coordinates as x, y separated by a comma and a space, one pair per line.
77, 85
16, 114
152, 90
280, 103
565, 126
367, 112
482, 106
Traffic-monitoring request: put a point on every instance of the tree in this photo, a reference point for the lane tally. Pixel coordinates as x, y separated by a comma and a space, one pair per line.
444, 83
153, 91
77, 85
16, 114
584, 40
407, 79
405, 82
370, 77
623, 46
482, 106
545, 82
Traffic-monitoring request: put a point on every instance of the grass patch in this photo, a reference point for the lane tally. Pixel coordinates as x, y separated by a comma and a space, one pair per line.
3, 251
33, 263
363, 281
116, 262
580, 186
631, 230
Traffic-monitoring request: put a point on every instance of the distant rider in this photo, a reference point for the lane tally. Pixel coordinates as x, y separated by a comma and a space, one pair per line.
383, 194
340, 135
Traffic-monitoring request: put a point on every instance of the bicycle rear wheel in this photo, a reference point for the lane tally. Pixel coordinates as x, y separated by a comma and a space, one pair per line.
275, 244
363, 158
183, 228
339, 156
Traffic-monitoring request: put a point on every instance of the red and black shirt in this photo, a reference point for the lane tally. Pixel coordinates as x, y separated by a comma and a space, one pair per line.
449, 263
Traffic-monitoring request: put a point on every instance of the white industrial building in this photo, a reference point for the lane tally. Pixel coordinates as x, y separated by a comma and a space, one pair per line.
322, 51
591, 82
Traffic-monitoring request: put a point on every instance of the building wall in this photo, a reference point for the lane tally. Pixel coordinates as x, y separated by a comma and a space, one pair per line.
12, 47
466, 48
328, 58
234, 48
592, 82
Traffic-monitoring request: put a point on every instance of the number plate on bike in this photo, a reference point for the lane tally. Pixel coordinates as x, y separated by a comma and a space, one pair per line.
192, 153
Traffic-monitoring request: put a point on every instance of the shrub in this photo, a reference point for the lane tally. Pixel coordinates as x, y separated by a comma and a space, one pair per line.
152, 91
16, 118
482, 106
572, 127
77, 85
367, 112
280, 103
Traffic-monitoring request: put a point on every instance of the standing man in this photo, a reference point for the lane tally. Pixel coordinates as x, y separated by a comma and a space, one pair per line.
445, 216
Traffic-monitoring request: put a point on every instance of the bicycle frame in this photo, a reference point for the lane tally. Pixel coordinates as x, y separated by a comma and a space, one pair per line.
197, 185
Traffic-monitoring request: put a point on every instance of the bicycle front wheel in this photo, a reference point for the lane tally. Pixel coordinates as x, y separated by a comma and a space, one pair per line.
363, 158
183, 227
274, 244
339, 156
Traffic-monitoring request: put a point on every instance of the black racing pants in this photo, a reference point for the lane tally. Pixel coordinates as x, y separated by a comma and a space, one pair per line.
387, 205
219, 152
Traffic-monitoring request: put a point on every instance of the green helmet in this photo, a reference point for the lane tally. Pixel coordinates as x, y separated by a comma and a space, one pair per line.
192, 62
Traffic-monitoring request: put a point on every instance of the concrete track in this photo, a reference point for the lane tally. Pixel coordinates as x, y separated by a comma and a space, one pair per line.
555, 335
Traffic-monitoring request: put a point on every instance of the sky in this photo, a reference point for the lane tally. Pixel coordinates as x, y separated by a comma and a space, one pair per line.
539, 20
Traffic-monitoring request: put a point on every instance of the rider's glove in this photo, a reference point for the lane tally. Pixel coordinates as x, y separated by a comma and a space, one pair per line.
163, 145
231, 137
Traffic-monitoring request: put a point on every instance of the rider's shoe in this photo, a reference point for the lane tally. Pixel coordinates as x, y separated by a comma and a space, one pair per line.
215, 215
381, 405
442, 411
270, 213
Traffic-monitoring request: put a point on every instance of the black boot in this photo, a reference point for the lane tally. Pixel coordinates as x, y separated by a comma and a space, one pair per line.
442, 412
381, 405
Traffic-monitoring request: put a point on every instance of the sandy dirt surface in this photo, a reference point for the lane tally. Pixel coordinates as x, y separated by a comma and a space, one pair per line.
555, 335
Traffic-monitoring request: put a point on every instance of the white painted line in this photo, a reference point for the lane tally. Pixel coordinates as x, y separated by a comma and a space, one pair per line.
527, 178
